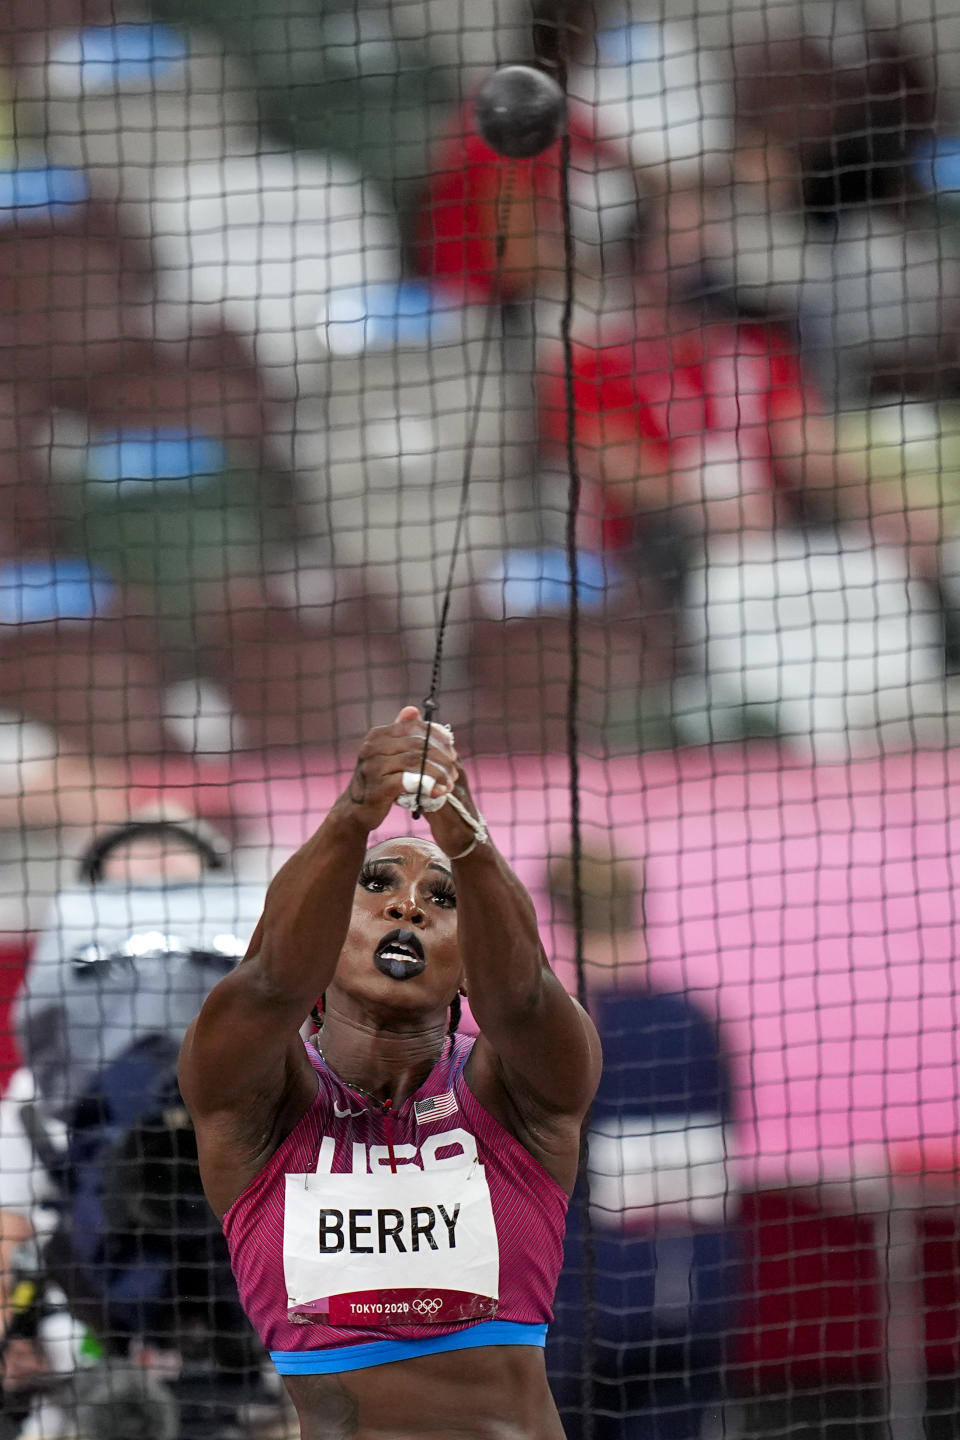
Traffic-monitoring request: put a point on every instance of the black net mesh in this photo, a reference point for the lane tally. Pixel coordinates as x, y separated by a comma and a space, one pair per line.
637, 458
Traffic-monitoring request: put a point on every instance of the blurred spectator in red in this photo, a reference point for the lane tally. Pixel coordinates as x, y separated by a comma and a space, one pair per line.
642, 102
719, 468
695, 415
475, 196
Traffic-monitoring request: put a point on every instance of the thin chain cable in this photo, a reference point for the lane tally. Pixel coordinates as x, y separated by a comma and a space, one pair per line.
587, 1387
494, 314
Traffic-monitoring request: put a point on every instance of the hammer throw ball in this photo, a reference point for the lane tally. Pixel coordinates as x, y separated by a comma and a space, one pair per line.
520, 111
413, 782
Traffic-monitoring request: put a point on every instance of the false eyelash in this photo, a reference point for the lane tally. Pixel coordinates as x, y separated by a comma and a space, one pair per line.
444, 889
377, 870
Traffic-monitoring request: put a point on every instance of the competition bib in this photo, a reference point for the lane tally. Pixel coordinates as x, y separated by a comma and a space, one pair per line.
414, 1247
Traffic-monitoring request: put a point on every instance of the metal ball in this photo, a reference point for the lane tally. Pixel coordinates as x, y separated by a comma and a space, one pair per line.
520, 111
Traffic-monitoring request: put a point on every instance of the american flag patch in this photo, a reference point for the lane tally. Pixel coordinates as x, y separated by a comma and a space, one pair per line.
438, 1107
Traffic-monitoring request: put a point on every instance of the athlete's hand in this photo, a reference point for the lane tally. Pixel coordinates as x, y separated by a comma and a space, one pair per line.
452, 833
386, 753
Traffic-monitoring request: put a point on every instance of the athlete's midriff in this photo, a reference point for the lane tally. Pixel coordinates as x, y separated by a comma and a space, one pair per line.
502, 1394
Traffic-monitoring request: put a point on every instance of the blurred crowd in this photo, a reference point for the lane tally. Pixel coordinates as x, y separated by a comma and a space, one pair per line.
268, 298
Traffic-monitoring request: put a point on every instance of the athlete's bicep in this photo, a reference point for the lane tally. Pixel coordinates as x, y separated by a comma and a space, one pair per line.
549, 1057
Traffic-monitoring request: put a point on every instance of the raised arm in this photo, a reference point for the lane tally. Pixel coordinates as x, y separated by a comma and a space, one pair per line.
538, 1049
243, 1052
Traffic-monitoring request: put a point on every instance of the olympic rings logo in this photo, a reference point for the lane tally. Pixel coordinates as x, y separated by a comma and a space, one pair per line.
427, 1307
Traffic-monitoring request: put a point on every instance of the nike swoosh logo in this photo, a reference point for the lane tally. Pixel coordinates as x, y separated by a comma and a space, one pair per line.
342, 1114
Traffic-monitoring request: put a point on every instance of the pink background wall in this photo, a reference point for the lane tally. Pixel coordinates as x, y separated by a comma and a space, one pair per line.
812, 907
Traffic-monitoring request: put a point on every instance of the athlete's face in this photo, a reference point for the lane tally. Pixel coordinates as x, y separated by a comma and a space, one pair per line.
402, 947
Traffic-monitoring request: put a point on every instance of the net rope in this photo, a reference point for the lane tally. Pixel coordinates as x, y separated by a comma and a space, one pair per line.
432, 698
573, 734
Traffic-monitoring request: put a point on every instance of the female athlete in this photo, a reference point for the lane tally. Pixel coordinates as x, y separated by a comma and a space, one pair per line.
394, 1194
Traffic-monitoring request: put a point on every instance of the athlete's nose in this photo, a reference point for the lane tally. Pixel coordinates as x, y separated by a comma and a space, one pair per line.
406, 907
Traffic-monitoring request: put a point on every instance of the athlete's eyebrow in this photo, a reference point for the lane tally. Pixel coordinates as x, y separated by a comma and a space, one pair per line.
402, 860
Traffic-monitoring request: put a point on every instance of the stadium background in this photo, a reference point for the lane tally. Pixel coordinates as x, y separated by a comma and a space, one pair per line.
234, 406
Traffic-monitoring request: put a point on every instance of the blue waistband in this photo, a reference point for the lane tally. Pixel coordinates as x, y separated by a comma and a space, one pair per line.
385, 1352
